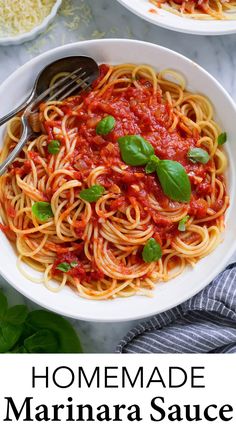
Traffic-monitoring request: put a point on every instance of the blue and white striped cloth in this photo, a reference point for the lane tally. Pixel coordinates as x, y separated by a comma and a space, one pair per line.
204, 324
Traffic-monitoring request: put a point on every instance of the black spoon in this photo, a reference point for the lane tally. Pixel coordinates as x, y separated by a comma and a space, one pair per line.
42, 82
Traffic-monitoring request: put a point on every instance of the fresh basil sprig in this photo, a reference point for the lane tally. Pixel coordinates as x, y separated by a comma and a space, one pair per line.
39, 331
106, 125
54, 147
73, 264
198, 155
42, 211
182, 223
222, 138
65, 266
43, 341
92, 194
67, 339
175, 183
135, 150
152, 164
3, 305
11, 323
151, 251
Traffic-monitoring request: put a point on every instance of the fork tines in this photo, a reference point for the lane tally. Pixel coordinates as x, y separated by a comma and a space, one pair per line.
63, 88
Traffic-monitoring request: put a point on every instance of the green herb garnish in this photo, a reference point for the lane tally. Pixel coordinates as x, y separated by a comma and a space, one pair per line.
11, 323
66, 266
222, 138
174, 180
73, 264
198, 155
63, 267
152, 164
43, 341
136, 151
54, 147
106, 125
42, 211
39, 331
151, 251
182, 223
92, 194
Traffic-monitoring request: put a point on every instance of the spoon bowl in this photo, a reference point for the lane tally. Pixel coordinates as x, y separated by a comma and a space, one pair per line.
44, 78
68, 65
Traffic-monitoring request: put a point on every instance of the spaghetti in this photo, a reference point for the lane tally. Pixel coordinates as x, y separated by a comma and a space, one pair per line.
99, 213
200, 9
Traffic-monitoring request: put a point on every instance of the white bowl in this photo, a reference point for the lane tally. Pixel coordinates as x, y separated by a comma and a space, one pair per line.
166, 295
27, 36
168, 20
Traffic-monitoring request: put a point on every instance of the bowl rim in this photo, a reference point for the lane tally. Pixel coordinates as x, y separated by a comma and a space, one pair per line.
18, 39
219, 265
154, 19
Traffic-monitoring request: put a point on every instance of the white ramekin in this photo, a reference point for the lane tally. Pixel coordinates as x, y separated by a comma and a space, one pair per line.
27, 36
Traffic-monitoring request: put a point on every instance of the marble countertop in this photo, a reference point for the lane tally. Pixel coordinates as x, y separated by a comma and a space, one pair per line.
108, 19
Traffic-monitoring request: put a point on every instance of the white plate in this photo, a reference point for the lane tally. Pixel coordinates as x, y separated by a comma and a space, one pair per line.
174, 22
183, 287
27, 36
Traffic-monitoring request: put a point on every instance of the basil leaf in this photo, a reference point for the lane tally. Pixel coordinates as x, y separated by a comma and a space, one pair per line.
9, 335
174, 180
106, 125
42, 211
198, 155
73, 264
182, 223
68, 341
26, 332
63, 267
151, 251
222, 138
3, 305
19, 349
16, 315
92, 194
135, 150
43, 341
35, 332
152, 164
54, 147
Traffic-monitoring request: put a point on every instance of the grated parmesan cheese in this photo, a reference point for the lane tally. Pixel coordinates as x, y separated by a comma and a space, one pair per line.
75, 22
21, 16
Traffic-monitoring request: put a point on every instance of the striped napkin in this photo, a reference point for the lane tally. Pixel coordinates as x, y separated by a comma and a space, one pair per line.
204, 324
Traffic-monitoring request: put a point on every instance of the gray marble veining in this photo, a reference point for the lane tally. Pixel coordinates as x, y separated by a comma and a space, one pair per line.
104, 19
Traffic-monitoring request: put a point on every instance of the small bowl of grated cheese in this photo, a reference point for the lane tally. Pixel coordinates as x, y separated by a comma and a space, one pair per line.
23, 20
